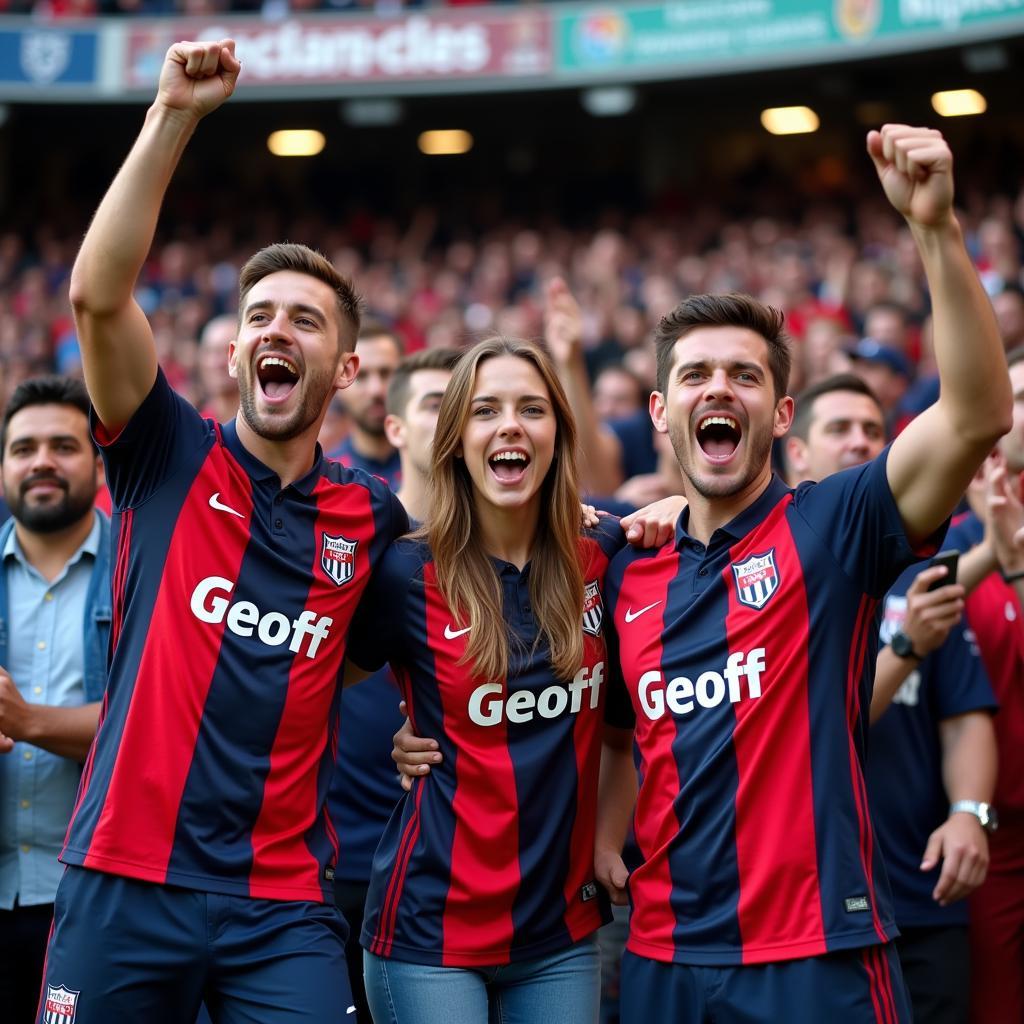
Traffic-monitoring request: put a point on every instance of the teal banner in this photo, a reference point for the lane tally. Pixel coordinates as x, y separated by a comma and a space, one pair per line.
757, 33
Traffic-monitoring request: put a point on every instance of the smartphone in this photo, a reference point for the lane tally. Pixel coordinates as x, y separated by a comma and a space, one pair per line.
949, 559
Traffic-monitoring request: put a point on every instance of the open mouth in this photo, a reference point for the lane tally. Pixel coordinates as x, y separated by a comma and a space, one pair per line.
719, 436
509, 465
277, 376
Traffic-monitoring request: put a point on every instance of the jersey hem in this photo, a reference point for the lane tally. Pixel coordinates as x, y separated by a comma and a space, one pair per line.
477, 958
729, 957
202, 883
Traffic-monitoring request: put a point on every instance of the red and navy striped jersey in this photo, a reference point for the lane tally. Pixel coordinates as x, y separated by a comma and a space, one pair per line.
490, 859
748, 667
231, 604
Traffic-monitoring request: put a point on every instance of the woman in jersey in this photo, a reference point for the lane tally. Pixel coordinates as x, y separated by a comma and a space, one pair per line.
483, 903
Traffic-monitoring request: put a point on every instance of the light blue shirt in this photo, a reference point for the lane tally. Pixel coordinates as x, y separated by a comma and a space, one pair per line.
47, 663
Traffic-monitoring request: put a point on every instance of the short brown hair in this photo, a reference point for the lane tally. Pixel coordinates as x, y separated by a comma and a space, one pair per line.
733, 310
303, 260
425, 359
839, 382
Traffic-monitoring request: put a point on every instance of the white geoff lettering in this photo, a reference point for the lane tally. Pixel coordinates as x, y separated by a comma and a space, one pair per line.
681, 695
210, 602
486, 706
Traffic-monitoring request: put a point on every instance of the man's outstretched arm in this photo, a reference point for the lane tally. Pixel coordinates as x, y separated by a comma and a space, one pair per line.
118, 352
933, 460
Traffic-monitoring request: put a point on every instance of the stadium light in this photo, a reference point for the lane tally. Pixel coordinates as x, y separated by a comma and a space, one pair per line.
789, 120
958, 103
608, 100
296, 142
445, 142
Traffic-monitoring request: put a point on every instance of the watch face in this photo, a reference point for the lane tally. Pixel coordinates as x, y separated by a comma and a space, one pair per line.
901, 644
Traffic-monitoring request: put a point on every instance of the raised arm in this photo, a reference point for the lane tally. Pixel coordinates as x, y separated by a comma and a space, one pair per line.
600, 457
933, 460
118, 352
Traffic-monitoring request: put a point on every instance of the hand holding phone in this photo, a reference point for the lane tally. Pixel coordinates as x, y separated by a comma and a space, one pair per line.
949, 559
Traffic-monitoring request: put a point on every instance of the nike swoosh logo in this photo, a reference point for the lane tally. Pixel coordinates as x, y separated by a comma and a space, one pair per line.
216, 503
451, 634
351, 1009
631, 615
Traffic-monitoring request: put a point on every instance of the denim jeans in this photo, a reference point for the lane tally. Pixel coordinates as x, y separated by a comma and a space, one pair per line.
562, 988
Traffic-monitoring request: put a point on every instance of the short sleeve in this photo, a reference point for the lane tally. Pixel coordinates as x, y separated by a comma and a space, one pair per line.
164, 433
856, 517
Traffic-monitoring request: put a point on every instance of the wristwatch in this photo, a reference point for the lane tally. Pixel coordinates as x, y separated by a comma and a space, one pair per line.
985, 813
902, 646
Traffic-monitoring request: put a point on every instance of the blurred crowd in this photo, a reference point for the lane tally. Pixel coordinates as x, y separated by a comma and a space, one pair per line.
848, 279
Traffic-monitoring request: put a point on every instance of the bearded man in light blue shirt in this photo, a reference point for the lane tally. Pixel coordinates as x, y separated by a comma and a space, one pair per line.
54, 629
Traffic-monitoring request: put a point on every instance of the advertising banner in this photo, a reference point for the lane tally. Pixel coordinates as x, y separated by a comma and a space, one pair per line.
703, 33
471, 43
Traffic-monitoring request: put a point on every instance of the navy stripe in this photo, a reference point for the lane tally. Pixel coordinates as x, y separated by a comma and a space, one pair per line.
708, 778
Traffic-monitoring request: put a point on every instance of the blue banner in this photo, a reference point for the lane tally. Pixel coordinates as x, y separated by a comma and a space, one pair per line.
46, 56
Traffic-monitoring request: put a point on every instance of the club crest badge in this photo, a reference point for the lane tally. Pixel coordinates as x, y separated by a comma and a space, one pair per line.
338, 558
756, 579
593, 609
60, 1005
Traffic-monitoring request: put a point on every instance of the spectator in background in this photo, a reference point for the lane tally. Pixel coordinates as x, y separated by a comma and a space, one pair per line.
219, 390
618, 393
1009, 307
54, 628
886, 371
367, 446
888, 323
824, 349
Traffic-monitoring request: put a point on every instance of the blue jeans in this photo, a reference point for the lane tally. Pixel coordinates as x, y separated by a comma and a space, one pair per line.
562, 987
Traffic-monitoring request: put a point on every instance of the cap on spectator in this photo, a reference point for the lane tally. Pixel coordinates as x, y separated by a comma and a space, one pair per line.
872, 351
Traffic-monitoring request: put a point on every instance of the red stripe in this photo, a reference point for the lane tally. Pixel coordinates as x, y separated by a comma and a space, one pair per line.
137, 824
873, 986
859, 645
485, 874
281, 856
385, 934
888, 996
656, 824
120, 577
580, 919
776, 843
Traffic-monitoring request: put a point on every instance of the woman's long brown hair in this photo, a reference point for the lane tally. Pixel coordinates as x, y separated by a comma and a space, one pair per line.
465, 574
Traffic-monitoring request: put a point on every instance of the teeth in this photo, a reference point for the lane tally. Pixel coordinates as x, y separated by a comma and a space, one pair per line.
508, 457
277, 361
720, 421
